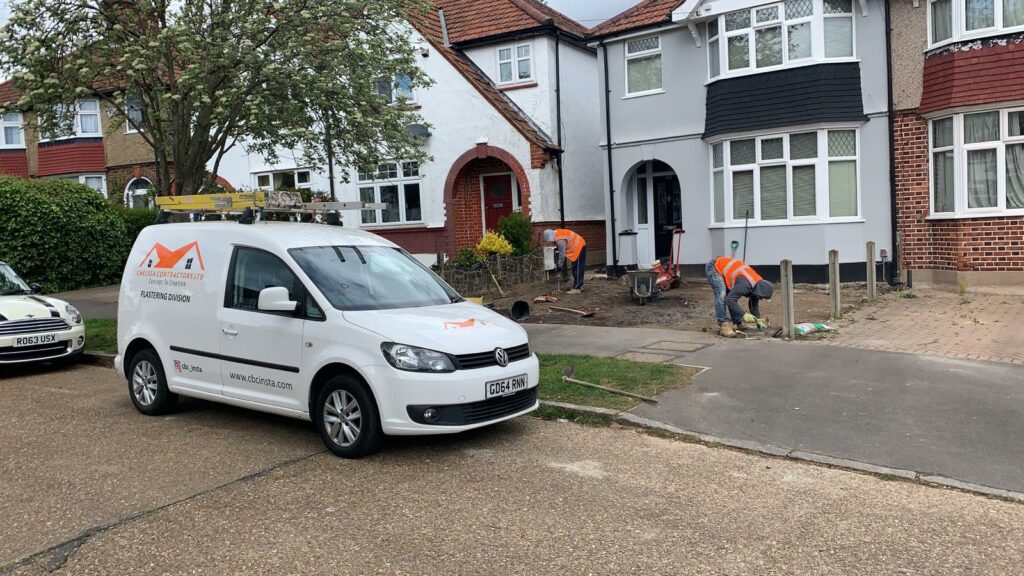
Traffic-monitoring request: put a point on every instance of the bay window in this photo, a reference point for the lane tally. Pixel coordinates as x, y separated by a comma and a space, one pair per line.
977, 163
952, 20
786, 178
11, 131
643, 66
396, 184
793, 32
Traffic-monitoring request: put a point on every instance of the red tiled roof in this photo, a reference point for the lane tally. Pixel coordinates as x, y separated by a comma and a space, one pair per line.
477, 19
428, 24
8, 93
642, 15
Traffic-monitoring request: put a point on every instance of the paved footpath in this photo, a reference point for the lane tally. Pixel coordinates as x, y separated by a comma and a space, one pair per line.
955, 418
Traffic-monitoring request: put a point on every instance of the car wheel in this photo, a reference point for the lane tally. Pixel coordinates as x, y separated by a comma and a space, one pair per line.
147, 385
347, 418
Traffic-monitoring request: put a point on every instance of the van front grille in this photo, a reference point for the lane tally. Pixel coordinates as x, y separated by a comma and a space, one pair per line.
485, 359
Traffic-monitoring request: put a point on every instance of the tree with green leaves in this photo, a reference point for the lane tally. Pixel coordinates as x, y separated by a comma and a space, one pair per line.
197, 77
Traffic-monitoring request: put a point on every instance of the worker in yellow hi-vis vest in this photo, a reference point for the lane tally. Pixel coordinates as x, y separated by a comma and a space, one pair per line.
572, 247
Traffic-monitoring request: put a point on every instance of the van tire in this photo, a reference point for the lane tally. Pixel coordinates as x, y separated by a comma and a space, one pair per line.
147, 384
333, 410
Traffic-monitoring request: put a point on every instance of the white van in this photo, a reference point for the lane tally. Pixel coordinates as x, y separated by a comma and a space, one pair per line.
317, 322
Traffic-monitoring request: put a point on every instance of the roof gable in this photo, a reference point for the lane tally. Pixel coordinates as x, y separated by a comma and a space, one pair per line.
645, 14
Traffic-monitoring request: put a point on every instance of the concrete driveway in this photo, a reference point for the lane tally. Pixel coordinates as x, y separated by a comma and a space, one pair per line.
524, 497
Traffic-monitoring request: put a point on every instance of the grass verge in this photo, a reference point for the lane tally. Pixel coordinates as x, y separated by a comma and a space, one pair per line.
101, 335
644, 378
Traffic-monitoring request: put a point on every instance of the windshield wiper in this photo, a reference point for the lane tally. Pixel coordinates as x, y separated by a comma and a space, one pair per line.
456, 299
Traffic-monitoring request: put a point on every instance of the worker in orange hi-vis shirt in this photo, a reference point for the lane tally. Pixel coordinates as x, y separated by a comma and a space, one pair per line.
572, 247
732, 279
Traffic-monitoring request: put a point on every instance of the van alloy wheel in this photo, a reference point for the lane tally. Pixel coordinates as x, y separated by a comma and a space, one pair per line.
145, 383
343, 419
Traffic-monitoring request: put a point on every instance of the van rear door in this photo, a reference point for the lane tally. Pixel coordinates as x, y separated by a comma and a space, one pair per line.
261, 352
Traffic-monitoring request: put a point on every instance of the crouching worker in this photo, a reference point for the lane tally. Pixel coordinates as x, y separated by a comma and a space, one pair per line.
572, 247
730, 280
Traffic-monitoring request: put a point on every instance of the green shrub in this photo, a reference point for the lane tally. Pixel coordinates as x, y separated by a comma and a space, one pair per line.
135, 219
61, 234
518, 230
466, 257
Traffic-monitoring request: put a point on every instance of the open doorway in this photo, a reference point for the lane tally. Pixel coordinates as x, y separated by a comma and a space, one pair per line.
657, 209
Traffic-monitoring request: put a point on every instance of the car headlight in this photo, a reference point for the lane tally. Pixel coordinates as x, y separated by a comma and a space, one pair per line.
73, 312
415, 359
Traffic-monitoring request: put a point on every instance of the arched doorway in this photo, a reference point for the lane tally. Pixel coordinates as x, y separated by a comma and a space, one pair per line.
655, 201
484, 185
136, 193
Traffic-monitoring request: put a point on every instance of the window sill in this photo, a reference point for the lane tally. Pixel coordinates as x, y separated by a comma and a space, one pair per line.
1011, 213
12, 148
803, 64
979, 35
393, 227
642, 94
517, 86
787, 223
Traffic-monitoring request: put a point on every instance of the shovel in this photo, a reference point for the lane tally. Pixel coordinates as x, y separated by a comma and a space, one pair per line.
570, 371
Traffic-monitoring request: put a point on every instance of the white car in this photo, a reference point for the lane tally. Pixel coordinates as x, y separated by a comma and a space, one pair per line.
36, 328
316, 322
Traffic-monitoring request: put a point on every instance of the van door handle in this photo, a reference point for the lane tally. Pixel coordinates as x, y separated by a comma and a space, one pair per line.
229, 331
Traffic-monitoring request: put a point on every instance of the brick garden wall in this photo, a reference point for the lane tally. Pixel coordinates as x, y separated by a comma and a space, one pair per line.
969, 244
510, 271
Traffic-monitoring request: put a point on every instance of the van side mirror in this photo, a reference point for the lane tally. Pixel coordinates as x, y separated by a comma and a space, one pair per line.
276, 299
35, 288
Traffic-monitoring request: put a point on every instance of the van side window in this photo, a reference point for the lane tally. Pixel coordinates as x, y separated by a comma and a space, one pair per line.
254, 270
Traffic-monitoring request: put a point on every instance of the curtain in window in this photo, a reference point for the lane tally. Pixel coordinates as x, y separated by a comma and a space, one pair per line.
838, 37
719, 196
981, 179
943, 181
90, 123
741, 152
983, 127
1015, 176
942, 20
773, 193
1013, 13
804, 194
742, 195
12, 135
980, 14
645, 74
842, 188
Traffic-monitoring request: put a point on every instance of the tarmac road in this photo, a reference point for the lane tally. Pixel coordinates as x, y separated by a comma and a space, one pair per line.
524, 497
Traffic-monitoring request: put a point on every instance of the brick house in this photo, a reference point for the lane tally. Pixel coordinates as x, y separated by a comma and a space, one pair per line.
511, 110
959, 140
117, 163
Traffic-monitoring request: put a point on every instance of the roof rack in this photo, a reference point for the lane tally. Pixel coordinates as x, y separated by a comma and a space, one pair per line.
252, 205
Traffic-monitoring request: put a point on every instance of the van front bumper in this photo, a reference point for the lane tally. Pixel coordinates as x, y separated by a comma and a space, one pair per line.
459, 397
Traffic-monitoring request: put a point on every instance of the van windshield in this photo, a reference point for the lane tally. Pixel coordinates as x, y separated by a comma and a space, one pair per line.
372, 278
10, 283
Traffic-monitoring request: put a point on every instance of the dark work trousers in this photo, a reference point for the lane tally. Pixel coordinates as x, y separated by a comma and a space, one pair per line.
578, 267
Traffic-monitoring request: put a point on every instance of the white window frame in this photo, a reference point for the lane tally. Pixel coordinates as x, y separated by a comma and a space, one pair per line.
959, 24
628, 57
81, 179
128, 128
817, 23
960, 149
295, 174
76, 131
393, 94
19, 124
821, 163
130, 194
406, 173
514, 60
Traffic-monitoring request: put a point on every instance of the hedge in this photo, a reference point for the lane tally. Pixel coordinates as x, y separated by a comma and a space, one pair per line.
61, 234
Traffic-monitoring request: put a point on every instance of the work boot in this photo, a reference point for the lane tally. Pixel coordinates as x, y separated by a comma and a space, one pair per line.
746, 327
575, 291
726, 331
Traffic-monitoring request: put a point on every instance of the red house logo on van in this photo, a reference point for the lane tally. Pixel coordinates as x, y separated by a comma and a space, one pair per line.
160, 257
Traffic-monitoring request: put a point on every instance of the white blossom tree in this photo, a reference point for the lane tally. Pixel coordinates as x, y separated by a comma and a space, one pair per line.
300, 75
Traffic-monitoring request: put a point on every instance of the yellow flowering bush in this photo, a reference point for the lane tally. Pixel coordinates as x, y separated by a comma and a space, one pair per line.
494, 243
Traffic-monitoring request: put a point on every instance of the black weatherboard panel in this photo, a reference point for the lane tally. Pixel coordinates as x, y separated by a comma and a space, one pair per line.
804, 95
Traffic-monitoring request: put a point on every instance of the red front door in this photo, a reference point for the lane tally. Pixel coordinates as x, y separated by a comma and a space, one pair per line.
498, 192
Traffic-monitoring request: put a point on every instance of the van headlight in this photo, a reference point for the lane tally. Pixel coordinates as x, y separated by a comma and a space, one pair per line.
413, 359
73, 313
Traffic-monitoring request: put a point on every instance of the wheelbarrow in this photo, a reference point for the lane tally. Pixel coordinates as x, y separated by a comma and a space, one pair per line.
642, 285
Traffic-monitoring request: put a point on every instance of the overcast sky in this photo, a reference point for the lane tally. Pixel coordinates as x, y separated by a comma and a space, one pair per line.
591, 12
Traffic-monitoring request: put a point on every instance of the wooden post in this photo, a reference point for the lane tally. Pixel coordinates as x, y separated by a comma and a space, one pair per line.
788, 316
872, 272
835, 306
440, 264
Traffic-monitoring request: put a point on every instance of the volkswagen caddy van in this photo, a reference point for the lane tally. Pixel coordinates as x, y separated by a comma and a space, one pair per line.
318, 322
